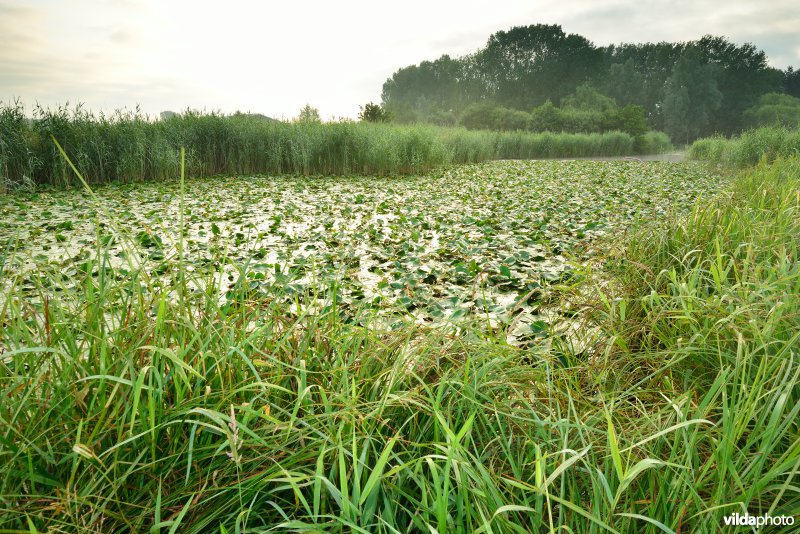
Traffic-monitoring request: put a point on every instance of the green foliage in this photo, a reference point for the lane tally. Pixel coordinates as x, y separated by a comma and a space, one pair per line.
629, 119
136, 403
708, 148
372, 112
691, 96
587, 98
526, 66
774, 109
488, 116
575, 120
791, 82
443, 118
653, 142
511, 119
514, 145
546, 118
749, 148
308, 114
128, 147
590, 111
16, 160
587, 111
479, 116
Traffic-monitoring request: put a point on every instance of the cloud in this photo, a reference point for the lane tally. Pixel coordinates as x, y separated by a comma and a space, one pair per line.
17, 30
124, 36
273, 58
461, 42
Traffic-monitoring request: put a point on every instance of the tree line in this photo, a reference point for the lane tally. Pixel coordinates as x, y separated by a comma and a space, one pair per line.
687, 89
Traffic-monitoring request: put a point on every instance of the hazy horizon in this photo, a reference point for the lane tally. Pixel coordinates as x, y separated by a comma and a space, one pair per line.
113, 54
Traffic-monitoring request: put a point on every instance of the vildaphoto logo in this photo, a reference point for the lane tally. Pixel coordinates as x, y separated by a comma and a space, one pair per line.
747, 520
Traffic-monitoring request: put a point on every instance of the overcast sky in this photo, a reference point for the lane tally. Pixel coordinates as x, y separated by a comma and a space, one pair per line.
255, 56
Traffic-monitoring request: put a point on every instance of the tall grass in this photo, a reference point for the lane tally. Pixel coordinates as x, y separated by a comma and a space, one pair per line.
749, 148
127, 146
654, 142
128, 408
709, 305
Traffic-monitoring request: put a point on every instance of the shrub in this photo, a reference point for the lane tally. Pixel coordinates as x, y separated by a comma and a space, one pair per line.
774, 109
546, 118
372, 112
653, 142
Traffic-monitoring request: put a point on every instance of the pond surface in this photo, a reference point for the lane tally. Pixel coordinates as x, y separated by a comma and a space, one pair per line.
465, 240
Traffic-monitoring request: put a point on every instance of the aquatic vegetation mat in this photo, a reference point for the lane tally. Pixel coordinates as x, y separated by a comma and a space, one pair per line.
482, 240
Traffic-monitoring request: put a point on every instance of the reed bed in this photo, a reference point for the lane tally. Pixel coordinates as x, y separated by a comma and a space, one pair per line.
127, 146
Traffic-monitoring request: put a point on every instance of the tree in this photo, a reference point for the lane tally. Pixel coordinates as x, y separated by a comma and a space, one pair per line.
774, 109
372, 112
791, 82
308, 114
742, 76
587, 98
526, 65
419, 92
546, 118
479, 116
631, 119
690, 97
653, 64
625, 84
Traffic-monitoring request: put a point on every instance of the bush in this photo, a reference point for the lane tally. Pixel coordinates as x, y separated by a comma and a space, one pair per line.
774, 109
581, 121
487, 116
478, 116
630, 119
510, 119
653, 142
546, 118
372, 112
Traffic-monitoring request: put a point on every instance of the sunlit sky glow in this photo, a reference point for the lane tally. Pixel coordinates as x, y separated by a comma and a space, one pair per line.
273, 58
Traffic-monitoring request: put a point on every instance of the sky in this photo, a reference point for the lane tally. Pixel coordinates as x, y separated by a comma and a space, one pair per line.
274, 57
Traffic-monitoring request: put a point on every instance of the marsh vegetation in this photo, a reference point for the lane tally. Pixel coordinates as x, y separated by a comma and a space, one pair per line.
215, 354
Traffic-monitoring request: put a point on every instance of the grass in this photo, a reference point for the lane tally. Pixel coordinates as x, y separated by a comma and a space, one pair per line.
124, 408
749, 148
128, 147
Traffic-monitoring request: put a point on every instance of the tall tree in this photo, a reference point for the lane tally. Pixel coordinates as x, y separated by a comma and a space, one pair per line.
526, 65
742, 75
624, 83
416, 92
791, 82
690, 97
653, 62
